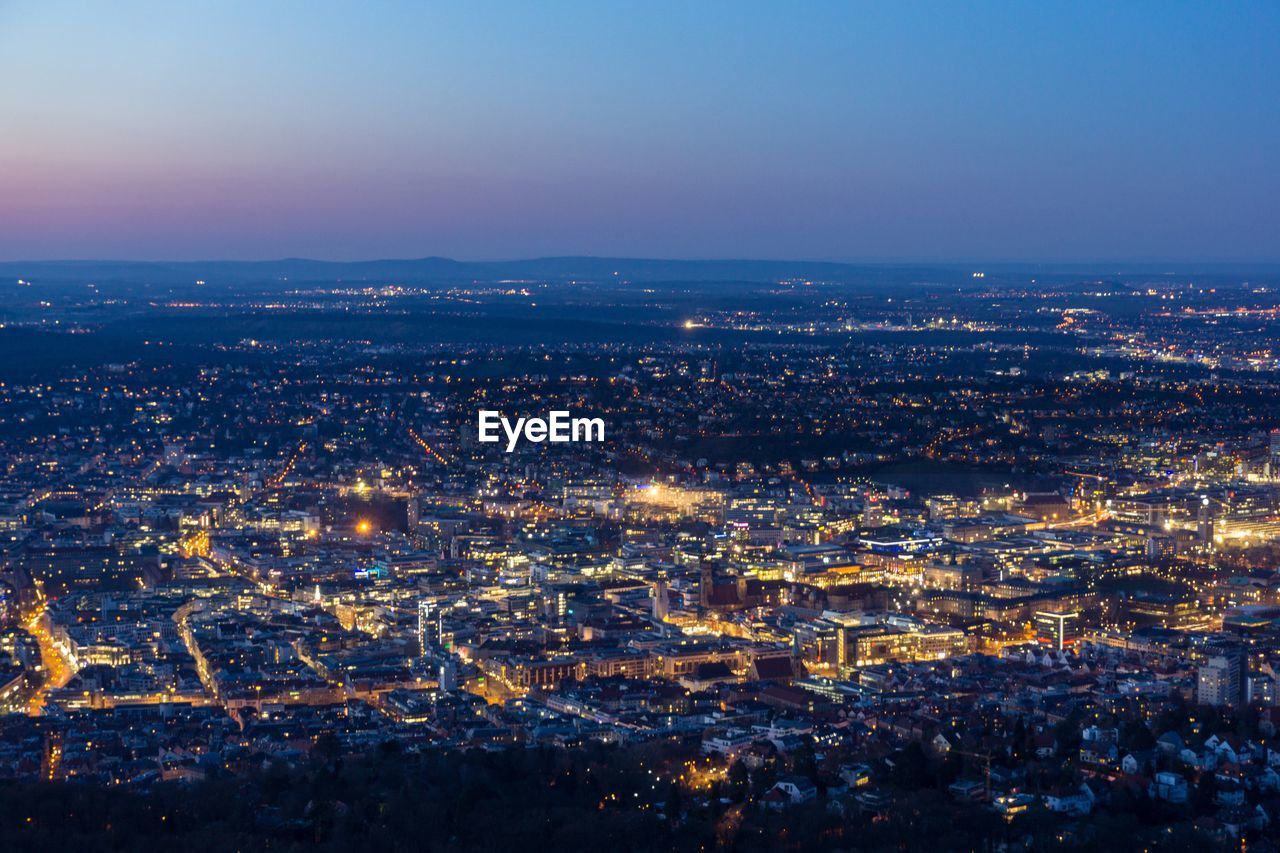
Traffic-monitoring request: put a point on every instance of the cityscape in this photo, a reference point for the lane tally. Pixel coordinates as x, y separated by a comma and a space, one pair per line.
999, 553
699, 427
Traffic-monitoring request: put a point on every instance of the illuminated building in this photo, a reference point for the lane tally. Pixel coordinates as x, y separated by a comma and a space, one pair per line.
430, 627
898, 639
1057, 630
1223, 678
661, 598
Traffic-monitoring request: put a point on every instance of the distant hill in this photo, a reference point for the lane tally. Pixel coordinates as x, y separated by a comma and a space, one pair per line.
289, 272
639, 269
235, 272
443, 270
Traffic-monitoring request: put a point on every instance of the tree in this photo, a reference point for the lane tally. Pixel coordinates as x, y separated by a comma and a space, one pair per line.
674, 802
739, 781
762, 780
804, 762
1137, 735
326, 748
911, 766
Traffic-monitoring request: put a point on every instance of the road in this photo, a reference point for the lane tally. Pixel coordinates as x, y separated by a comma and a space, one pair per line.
58, 670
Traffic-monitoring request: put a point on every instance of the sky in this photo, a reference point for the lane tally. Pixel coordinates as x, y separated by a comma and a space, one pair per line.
890, 131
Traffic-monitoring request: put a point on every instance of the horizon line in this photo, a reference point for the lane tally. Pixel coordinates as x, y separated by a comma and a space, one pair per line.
874, 262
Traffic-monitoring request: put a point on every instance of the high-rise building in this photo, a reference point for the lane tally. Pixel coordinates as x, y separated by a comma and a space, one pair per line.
448, 674
430, 626
1204, 521
1057, 630
1223, 678
661, 598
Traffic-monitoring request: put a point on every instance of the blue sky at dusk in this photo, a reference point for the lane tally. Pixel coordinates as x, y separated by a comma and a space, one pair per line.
852, 131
